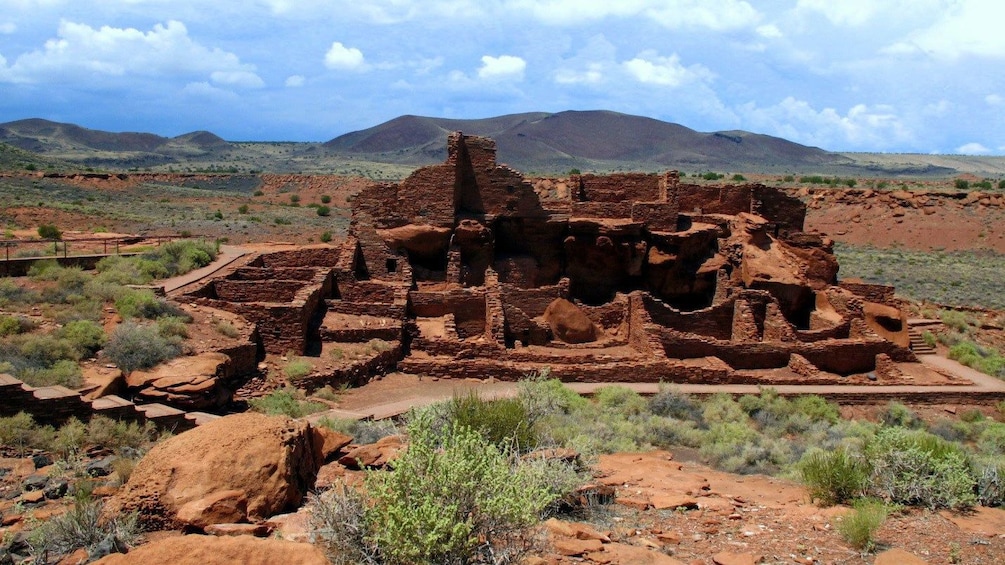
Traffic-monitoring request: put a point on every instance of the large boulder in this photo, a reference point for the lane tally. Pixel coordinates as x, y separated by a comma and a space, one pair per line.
239, 467
194, 382
212, 550
569, 323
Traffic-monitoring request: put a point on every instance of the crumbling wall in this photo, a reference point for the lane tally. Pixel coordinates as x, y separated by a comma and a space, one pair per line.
714, 322
878, 293
617, 187
466, 305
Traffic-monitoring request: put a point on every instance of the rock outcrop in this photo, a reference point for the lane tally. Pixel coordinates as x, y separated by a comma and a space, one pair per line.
193, 382
244, 467
212, 550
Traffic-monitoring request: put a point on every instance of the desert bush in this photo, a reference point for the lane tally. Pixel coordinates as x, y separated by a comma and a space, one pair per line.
326, 237
834, 477
32, 355
984, 359
502, 422
173, 326
22, 433
325, 199
133, 346
11, 325
961, 184
669, 402
70, 438
896, 414
297, 368
990, 473
455, 499
363, 432
142, 303
918, 468
223, 327
85, 335
13, 293
323, 210
622, 400
859, 527
82, 527
929, 339
338, 523
63, 373
49, 231
992, 439
286, 402
543, 396
180, 257
118, 434
956, 320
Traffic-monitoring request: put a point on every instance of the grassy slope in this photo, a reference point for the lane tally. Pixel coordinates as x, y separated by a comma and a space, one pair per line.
960, 278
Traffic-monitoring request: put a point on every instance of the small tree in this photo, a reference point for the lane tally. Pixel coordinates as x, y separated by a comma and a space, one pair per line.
49, 231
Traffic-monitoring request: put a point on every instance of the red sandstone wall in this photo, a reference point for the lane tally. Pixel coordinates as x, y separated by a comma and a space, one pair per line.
618, 187
728, 199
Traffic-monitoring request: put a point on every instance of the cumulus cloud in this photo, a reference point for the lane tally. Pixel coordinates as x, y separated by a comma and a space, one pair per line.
994, 100
649, 67
863, 126
342, 58
965, 27
769, 31
503, 67
719, 15
8, 28
80, 53
294, 81
973, 148
594, 73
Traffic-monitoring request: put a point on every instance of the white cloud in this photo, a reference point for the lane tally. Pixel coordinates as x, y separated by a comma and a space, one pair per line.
242, 79
8, 28
873, 127
294, 81
963, 27
843, 12
973, 148
79, 52
593, 74
207, 90
994, 99
718, 15
769, 31
649, 67
504, 67
340, 57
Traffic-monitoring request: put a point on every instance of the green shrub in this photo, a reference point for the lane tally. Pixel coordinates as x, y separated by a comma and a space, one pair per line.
455, 501
226, 328
142, 303
669, 402
49, 231
363, 432
33, 356
834, 477
325, 199
338, 523
961, 184
896, 414
286, 401
132, 346
990, 473
326, 237
63, 373
242, 209
13, 293
22, 433
70, 438
622, 400
324, 211
297, 368
82, 527
173, 327
502, 422
87, 336
917, 468
929, 339
116, 434
859, 527
543, 396
956, 320
11, 325
739, 178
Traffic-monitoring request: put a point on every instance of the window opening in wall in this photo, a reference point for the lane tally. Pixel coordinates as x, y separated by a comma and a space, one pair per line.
392, 265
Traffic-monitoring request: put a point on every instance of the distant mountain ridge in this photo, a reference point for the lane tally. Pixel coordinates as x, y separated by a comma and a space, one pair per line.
539, 140
47, 137
533, 142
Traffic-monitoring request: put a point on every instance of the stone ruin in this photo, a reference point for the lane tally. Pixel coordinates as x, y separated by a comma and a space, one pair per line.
471, 272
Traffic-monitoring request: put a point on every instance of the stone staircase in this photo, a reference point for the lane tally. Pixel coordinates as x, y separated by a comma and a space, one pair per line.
918, 345
55, 405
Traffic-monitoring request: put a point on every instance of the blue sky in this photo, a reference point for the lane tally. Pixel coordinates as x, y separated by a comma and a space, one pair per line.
853, 75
